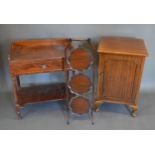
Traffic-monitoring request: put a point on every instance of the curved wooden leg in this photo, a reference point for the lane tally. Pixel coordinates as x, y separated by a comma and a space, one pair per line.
97, 109
97, 106
134, 111
18, 111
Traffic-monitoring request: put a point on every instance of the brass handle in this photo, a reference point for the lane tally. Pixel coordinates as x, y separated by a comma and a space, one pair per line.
44, 66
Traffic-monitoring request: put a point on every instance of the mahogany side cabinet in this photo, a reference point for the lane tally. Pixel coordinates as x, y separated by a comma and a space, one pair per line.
33, 57
121, 62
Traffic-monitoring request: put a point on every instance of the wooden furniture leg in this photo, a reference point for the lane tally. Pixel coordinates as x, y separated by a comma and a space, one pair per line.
18, 111
97, 105
16, 82
134, 111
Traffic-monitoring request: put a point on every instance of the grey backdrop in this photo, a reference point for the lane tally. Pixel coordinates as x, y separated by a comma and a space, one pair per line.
16, 32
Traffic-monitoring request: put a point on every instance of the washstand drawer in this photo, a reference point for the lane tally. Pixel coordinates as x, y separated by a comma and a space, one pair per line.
37, 67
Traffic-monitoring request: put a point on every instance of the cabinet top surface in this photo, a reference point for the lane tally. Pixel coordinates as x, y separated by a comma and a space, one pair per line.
32, 50
122, 45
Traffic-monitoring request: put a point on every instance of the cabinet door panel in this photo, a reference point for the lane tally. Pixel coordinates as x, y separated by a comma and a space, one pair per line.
118, 73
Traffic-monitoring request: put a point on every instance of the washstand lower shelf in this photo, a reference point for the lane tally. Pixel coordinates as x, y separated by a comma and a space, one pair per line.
39, 93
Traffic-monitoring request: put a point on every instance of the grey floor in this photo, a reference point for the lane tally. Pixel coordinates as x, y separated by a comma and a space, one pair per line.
49, 116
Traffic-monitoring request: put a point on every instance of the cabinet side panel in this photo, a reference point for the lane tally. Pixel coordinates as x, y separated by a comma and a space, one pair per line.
100, 77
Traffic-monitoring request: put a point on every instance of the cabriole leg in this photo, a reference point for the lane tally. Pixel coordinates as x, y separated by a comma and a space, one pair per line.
133, 111
97, 106
18, 111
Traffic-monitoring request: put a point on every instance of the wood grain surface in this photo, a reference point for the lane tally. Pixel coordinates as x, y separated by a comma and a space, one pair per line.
121, 63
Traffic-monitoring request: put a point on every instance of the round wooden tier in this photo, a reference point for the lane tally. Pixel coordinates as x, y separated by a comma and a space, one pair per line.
80, 105
80, 59
80, 83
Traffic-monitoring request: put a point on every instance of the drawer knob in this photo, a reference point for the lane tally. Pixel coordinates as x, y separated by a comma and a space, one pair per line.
44, 66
